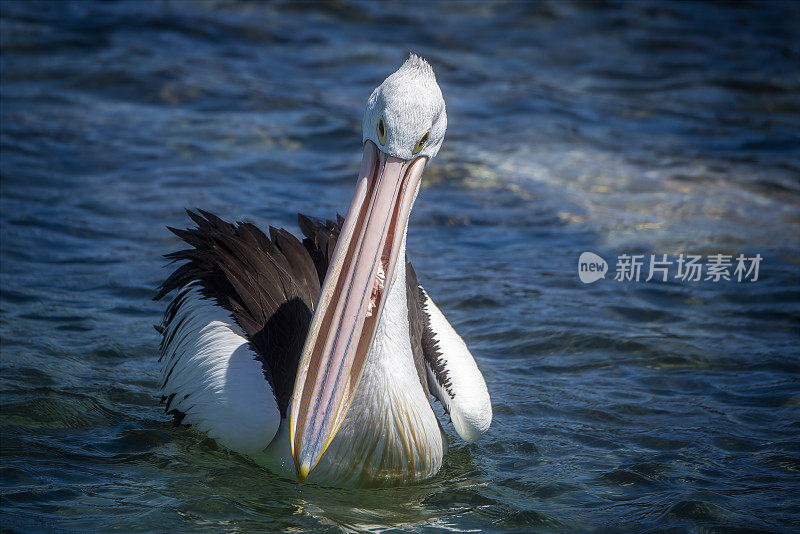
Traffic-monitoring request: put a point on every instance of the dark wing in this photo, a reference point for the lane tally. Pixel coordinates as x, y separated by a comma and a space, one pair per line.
320, 240
270, 286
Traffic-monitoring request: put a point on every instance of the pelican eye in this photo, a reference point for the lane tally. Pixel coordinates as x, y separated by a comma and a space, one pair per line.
422, 142
382, 131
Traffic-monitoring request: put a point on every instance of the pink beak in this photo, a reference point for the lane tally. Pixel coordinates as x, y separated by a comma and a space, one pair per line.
351, 303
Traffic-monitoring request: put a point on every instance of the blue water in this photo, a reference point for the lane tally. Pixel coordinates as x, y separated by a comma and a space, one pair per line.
619, 128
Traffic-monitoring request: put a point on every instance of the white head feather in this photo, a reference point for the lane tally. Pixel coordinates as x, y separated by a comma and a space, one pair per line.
411, 103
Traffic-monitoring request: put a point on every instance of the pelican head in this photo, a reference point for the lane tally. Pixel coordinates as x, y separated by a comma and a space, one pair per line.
404, 126
403, 109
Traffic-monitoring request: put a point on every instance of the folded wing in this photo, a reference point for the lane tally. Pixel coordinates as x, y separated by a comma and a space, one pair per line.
232, 336
453, 375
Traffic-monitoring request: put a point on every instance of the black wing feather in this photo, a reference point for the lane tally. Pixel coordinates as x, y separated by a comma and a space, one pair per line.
271, 286
271, 296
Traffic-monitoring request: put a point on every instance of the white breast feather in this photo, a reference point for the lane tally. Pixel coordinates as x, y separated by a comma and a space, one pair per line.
390, 434
216, 379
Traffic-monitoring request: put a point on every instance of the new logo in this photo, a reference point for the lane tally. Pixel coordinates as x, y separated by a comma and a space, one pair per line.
591, 267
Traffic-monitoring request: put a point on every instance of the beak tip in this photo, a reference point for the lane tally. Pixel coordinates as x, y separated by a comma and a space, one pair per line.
302, 473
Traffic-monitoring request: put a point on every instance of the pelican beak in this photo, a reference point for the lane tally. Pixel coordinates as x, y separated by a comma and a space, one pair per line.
351, 303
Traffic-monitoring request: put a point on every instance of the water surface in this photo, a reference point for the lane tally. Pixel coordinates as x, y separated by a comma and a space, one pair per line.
639, 128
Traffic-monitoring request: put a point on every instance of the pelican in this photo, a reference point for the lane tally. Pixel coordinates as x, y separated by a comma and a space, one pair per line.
317, 358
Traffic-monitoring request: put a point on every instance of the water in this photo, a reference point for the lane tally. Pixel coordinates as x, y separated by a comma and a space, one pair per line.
617, 128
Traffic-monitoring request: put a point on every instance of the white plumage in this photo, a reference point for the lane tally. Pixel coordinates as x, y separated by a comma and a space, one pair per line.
391, 434
467, 400
215, 378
